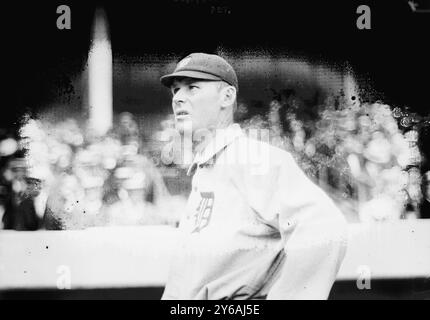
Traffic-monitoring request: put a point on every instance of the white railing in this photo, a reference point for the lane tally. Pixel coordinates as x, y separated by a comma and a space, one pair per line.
118, 257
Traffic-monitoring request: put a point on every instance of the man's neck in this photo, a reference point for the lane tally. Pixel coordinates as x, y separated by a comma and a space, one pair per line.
199, 144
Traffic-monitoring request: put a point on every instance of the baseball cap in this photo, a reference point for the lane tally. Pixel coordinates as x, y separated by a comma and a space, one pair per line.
203, 66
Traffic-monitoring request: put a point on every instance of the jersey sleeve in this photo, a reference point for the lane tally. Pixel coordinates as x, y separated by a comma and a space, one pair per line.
312, 228
314, 232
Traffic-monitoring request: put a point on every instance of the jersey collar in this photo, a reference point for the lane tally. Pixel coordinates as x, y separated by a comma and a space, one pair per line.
222, 138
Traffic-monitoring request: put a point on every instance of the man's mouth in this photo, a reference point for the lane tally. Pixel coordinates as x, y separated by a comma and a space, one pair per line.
181, 114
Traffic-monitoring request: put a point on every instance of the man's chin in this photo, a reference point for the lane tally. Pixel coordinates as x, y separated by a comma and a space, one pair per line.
184, 126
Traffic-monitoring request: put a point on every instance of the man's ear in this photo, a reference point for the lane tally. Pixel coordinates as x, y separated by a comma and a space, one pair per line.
228, 96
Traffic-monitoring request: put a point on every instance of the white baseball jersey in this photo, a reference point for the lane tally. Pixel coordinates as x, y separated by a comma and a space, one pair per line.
255, 227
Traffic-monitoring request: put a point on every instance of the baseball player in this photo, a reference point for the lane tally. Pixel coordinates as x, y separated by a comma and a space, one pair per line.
255, 226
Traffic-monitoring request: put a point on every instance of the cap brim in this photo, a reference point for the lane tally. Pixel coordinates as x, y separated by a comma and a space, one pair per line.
167, 80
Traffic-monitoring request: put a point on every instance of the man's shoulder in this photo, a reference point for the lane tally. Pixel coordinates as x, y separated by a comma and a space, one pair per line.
255, 146
249, 155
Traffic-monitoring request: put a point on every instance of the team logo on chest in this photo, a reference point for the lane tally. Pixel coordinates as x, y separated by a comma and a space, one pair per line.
203, 211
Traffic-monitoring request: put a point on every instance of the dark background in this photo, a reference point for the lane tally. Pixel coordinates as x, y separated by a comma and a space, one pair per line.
40, 61
392, 57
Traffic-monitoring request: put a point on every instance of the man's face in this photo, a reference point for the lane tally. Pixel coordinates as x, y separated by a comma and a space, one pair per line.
196, 103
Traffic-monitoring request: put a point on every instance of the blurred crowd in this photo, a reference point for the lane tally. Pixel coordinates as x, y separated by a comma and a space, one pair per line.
364, 155
60, 176
57, 175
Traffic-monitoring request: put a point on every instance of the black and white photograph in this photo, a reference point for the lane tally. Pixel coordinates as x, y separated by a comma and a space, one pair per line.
215, 150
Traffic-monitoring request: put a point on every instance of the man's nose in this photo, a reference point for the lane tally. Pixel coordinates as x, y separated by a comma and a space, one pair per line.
178, 97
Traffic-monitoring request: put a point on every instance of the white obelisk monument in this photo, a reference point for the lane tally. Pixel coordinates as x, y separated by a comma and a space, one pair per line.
100, 76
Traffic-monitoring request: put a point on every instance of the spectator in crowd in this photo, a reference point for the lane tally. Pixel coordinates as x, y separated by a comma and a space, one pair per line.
19, 209
425, 205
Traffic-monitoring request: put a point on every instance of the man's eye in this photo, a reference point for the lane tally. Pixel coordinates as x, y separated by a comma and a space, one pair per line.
192, 86
174, 90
